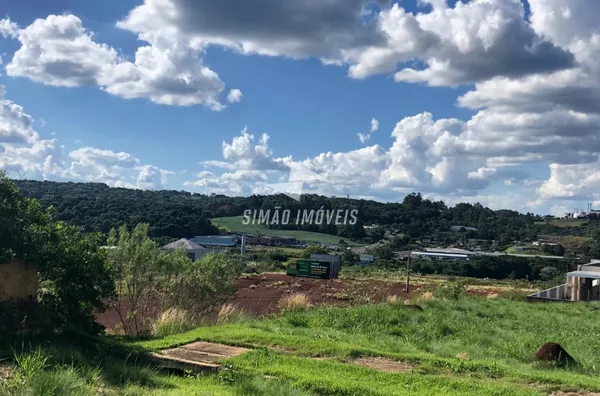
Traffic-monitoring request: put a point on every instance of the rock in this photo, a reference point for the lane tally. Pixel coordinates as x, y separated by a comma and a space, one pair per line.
553, 352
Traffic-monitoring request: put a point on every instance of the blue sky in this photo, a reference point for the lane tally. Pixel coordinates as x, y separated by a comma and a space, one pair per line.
488, 101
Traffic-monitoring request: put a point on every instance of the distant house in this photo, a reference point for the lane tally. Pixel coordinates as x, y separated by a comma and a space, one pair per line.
271, 240
193, 250
439, 256
216, 242
581, 285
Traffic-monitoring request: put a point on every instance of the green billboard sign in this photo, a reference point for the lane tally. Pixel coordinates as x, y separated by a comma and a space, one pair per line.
310, 269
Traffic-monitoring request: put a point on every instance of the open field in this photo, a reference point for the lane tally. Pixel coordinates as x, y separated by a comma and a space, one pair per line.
565, 222
260, 294
235, 224
468, 346
478, 344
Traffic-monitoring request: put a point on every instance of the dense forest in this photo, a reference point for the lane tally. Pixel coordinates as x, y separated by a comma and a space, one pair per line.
176, 214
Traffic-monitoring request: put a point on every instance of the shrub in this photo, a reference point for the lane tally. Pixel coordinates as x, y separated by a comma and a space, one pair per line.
452, 291
296, 301
69, 261
172, 321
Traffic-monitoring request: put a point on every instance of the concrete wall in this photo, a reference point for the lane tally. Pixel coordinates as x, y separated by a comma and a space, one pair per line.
17, 280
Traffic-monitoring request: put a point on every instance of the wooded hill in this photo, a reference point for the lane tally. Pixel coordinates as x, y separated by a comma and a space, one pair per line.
176, 214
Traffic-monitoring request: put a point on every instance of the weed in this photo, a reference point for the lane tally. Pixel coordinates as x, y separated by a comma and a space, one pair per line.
296, 301
172, 321
230, 313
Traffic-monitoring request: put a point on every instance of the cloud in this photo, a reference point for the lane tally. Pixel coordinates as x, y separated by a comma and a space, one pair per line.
8, 29
574, 181
245, 152
271, 27
364, 137
16, 126
104, 158
152, 178
235, 96
471, 42
374, 125
60, 51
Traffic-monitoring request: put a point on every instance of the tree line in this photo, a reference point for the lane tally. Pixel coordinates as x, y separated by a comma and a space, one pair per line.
176, 214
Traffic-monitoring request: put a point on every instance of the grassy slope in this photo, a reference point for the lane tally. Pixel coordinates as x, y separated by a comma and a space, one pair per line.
471, 347
496, 340
235, 224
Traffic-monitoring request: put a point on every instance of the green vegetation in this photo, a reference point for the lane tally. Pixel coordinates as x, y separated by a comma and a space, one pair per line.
235, 224
457, 344
564, 222
176, 214
150, 279
71, 270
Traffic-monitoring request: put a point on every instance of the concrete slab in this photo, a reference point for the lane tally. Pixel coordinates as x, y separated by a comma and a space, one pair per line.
196, 357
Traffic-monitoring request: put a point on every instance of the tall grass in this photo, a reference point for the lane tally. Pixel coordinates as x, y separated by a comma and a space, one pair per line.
230, 313
33, 376
293, 302
172, 321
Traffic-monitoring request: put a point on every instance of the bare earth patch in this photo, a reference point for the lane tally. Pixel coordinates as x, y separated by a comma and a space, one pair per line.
383, 364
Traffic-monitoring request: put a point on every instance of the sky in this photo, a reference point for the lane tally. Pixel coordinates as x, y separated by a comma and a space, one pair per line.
490, 101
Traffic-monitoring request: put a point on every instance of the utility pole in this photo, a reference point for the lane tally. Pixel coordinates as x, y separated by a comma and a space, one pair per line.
408, 274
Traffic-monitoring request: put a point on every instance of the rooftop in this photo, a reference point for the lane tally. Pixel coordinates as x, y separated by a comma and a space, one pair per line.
183, 243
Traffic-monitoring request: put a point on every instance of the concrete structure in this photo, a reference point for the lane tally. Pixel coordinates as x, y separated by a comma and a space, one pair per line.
18, 280
439, 256
581, 285
216, 242
333, 259
193, 250
271, 240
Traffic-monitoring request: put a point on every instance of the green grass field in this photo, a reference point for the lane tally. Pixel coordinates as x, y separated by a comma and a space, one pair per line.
235, 224
469, 346
565, 222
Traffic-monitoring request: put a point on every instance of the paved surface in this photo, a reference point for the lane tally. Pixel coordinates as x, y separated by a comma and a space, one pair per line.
197, 356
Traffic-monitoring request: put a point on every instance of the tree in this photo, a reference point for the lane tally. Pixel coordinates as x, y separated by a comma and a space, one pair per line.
349, 258
150, 280
314, 250
70, 265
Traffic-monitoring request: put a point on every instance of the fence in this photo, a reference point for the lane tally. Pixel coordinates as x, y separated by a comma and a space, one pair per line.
557, 293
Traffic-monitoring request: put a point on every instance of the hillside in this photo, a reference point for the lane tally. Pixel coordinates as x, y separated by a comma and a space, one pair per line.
177, 214
235, 224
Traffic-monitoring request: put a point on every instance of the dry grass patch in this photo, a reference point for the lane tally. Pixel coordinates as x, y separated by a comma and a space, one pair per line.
230, 313
294, 301
173, 321
392, 299
383, 364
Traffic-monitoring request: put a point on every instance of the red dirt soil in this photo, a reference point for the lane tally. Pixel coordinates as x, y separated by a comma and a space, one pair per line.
260, 294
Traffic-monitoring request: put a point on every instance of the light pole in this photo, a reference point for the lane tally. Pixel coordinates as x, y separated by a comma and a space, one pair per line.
408, 274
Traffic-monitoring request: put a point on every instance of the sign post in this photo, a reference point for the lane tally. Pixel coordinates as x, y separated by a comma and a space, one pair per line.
307, 268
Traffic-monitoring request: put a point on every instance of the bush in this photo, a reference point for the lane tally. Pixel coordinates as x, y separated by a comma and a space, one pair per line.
293, 302
148, 277
452, 291
69, 261
172, 321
